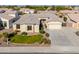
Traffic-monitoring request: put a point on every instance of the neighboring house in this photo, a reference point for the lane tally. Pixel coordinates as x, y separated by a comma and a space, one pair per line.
8, 18
74, 18
2, 11
12, 13
49, 11
27, 23
28, 11
52, 21
69, 11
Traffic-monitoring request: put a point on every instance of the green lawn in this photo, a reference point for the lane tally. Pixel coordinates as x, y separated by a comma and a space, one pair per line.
26, 39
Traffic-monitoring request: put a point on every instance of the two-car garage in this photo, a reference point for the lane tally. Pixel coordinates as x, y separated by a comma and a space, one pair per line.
54, 25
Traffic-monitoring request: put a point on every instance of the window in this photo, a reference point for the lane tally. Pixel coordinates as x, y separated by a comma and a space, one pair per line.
29, 27
1, 25
18, 26
5, 24
43, 19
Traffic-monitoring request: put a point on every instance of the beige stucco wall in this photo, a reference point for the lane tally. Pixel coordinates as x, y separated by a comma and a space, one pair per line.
36, 28
76, 25
14, 26
8, 25
23, 28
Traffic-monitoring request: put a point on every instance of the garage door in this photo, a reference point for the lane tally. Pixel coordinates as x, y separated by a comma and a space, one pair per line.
54, 26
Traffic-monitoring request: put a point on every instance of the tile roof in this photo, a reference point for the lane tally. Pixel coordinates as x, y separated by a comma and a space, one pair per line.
34, 18
74, 17
28, 19
69, 11
7, 17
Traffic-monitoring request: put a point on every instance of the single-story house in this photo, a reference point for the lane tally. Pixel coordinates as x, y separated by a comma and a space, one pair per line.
28, 11
30, 22
12, 13
8, 18
69, 11
49, 11
27, 23
2, 11
74, 18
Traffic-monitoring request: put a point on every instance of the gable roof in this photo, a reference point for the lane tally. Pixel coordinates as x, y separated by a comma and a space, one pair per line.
34, 18
50, 15
7, 16
28, 19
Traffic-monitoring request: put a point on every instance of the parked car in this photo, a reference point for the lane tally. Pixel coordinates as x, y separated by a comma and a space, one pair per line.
2, 11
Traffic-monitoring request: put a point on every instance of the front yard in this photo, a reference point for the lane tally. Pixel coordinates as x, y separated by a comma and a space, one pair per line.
27, 39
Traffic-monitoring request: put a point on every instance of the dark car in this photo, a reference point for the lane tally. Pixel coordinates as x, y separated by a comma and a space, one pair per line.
2, 11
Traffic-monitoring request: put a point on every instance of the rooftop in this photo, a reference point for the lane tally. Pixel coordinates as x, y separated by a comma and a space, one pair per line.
50, 15
74, 17
69, 11
10, 12
28, 19
7, 17
34, 18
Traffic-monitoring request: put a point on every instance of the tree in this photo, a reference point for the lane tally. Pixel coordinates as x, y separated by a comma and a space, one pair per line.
16, 8
65, 19
5, 37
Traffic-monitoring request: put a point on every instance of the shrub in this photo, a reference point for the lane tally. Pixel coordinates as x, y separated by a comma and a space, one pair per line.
46, 41
5, 34
9, 39
60, 16
77, 33
12, 34
24, 33
42, 31
16, 31
64, 24
65, 19
47, 34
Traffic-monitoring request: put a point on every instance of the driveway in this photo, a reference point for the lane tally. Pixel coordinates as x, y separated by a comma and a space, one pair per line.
64, 37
